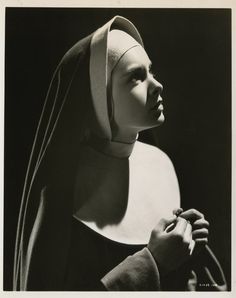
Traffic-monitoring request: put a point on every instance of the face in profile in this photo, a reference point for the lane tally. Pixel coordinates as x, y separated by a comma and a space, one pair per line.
136, 94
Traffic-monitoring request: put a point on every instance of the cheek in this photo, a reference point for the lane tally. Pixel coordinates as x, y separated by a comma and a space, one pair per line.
134, 98
139, 95
130, 107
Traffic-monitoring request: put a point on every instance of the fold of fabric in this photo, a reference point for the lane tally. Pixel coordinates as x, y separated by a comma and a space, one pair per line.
73, 104
136, 273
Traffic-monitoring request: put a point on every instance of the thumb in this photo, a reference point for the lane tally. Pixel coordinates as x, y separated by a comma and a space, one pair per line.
166, 222
177, 211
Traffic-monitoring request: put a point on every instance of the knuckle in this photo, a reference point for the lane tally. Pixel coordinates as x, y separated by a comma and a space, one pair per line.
201, 214
181, 219
194, 211
197, 213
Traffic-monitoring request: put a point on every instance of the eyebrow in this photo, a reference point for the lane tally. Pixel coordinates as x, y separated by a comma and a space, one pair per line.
136, 67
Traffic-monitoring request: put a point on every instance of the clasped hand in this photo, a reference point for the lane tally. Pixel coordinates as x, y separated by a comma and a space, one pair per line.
174, 239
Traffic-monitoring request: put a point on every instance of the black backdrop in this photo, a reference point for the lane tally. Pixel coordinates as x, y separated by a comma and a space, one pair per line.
191, 53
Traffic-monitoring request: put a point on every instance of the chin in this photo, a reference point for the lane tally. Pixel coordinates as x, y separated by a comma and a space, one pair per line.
151, 122
161, 119
158, 120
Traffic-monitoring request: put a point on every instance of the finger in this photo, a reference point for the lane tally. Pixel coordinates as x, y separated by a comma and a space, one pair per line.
201, 223
189, 242
177, 211
200, 233
165, 222
191, 246
192, 214
181, 225
201, 241
188, 234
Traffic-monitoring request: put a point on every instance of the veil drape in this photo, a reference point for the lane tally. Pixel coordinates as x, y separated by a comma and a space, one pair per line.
75, 103
53, 156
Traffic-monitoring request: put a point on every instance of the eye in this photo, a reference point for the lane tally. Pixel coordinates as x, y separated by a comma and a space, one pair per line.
138, 75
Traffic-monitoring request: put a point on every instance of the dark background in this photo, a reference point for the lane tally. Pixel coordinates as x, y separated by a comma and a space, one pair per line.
191, 53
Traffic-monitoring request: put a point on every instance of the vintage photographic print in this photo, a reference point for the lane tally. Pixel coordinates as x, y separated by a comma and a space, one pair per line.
117, 149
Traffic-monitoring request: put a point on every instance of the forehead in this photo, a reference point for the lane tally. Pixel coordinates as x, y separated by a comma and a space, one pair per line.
136, 56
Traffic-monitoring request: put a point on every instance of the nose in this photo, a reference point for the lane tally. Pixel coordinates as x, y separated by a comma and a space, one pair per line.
155, 87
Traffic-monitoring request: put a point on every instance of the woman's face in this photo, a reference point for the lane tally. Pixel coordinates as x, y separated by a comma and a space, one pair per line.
137, 103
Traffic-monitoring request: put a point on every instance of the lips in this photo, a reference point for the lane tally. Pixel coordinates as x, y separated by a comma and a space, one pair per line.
158, 106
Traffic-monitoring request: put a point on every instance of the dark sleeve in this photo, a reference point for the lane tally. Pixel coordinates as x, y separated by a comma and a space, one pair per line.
138, 272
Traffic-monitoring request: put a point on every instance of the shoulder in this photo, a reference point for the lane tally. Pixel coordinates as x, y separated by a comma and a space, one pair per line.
152, 155
161, 188
154, 162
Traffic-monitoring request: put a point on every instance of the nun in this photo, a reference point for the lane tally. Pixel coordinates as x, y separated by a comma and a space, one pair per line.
100, 210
